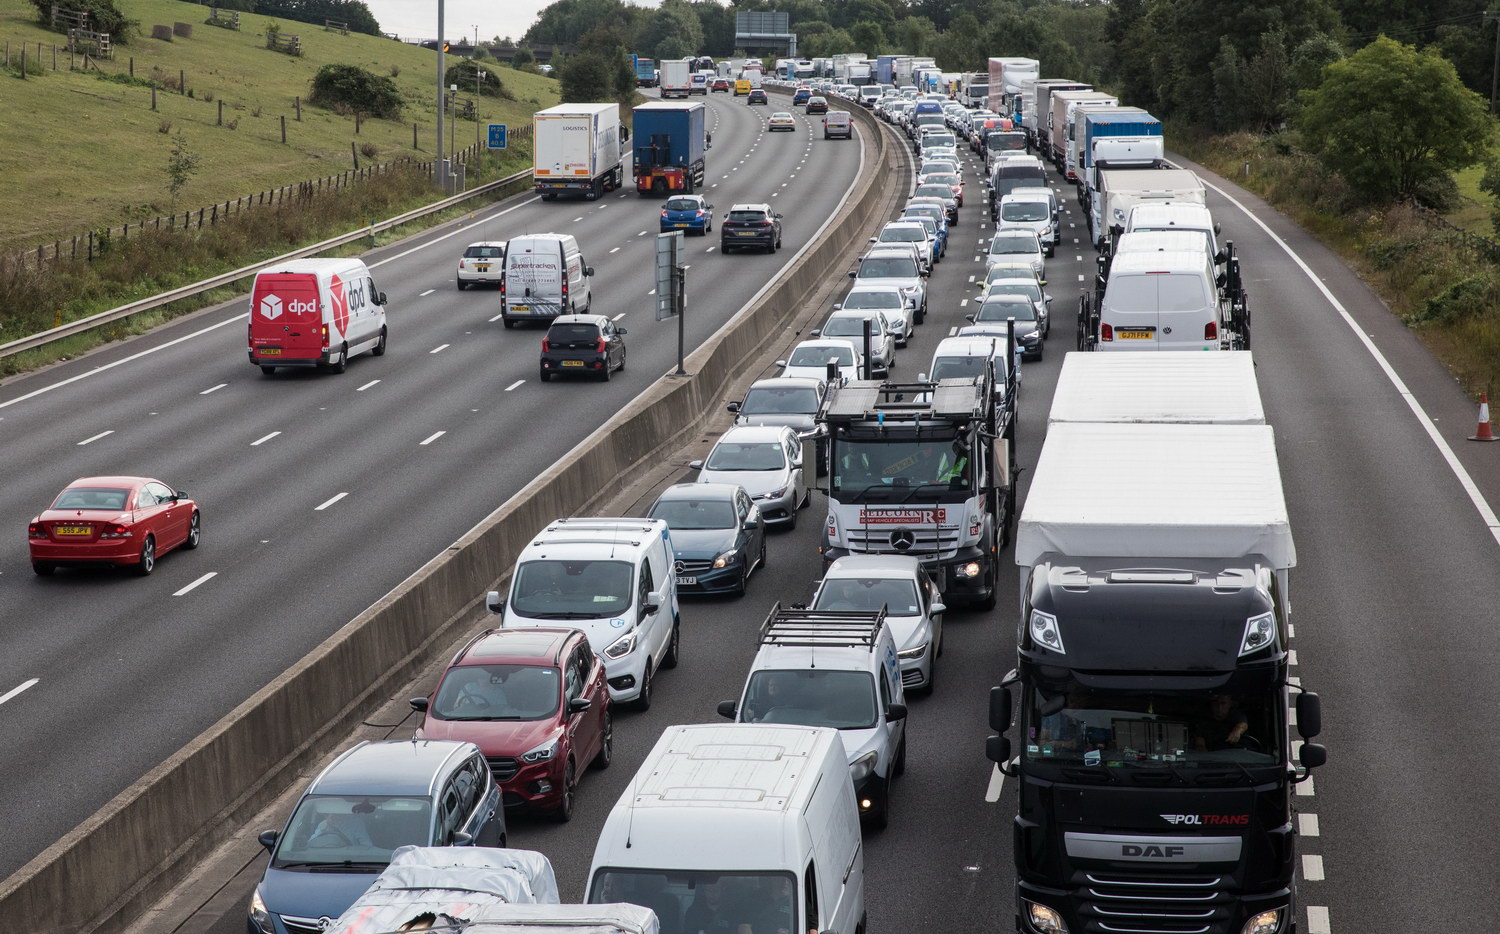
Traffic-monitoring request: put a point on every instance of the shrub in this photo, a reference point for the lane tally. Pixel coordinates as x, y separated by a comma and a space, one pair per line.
369, 150
357, 89
255, 111
462, 74
164, 126
395, 71
106, 16
233, 124
1468, 297
208, 97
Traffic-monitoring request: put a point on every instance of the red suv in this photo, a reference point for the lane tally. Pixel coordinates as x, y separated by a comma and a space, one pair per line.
536, 704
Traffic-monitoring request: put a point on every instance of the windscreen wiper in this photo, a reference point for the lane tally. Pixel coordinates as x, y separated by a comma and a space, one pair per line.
564, 615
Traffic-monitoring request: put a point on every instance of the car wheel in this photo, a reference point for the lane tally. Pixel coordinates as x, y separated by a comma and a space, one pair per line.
674, 648
606, 753
544, 376
148, 557
621, 367
564, 812
379, 350
43, 570
508, 323
195, 532
761, 564
605, 374
643, 701
462, 285
267, 370
880, 808
743, 585
343, 363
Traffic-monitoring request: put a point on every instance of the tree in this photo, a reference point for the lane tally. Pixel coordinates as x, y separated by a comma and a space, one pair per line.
673, 31
868, 37
523, 60
915, 35
182, 165
1388, 118
586, 79
1311, 57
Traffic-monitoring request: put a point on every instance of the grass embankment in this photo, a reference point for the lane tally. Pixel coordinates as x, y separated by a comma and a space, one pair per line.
1439, 281
84, 151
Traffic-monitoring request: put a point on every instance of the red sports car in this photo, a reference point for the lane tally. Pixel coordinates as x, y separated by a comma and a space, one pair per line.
115, 521
536, 704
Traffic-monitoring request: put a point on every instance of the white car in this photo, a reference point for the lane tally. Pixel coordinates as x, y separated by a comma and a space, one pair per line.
781, 120
767, 462
482, 262
909, 232
913, 607
849, 324
1028, 212
1016, 246
899, 314
810, 359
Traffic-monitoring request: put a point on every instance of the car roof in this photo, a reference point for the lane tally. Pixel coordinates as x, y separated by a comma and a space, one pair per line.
713, 491
598, 320
873, 565
1160, 261
789, 382
119, 480
749, 207
970, 347
741, 434
517, 646
499, 243
391, 767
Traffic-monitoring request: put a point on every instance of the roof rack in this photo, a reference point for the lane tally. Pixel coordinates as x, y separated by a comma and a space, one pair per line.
869, 400
850, 628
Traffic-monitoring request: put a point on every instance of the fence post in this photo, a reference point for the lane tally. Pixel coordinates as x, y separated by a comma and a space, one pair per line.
414, 135
221, 113
153, 95
181, 81
23, 61
75, 244
214, 217
54, 56
91, 246
356, 123
132, 66
283, 128
297, 102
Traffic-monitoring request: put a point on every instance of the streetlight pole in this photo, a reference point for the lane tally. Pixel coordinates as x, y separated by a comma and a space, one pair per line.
440, 165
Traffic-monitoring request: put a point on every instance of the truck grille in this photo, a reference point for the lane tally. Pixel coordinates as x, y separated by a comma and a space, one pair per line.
503, 768
1121, 904
925, 541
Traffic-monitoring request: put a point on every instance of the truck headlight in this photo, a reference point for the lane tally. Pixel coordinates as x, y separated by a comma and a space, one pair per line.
971, 569
541, 753
724, 559
1044, 631
1260, 631
622, 646
1267, 922
860, 768
1044, 920
259, 916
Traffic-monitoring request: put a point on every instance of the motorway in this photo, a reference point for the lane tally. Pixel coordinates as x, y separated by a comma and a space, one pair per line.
321, 492
1393, 605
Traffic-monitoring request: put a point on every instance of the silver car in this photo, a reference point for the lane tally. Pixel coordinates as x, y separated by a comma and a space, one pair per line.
913, 607
767, 462
1016, 246
901, 231
899, 315
905, 273
850, 324
785, 401
1002, 283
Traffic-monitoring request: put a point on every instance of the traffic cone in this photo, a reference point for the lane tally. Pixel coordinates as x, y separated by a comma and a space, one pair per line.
1483, 433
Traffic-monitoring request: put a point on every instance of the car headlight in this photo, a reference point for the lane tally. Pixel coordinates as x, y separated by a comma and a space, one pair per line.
1267, 922
622, 646
1045, 632
259, 916
1044, 920
860, 768
724, 559
543, 752
917, 652
774, 494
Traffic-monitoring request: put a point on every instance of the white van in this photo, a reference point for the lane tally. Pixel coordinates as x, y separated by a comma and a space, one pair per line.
545, 276
1164, 241
315, 312
836, 669
1162, 300
1029, 212
1159, 216
737, 824
610, 578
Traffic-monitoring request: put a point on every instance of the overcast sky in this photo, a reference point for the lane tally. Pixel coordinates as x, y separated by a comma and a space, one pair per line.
417, 19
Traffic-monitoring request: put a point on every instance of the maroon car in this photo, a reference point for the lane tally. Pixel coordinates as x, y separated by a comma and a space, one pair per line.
120, 521
536, 704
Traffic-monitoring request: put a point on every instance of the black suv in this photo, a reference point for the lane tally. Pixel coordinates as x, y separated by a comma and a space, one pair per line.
750, 225
582, 344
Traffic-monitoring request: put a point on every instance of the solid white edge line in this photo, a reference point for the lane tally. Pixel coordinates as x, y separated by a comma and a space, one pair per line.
213, 389
259, 441
1486, 513
432, 437
102, 434
202, 580
17, 690
329, 502
367, 385
514, 385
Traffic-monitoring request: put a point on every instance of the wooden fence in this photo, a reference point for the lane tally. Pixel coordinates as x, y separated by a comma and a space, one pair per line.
278, 42
228, 19
1485, 246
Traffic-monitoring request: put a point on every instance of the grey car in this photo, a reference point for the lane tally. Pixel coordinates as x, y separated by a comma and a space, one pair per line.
903, 272
767, 462
849, 323
899, 314
786, 400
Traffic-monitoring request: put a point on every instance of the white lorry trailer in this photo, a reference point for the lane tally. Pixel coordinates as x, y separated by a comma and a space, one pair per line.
676, 78
577, 149
1178, 388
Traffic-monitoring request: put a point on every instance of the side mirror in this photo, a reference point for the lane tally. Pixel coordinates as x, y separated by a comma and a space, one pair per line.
621, 331
968, 317
1000, 712
777, 216
493, 602
588, 270
380, 299
819, 331
419, 704
268, 838
728, 709
752, 523
997, 750
837, 305
735, 406
938, 609
696, 465
895, 712
1216, 228
780, 363
1313, 755
179, 495
579, 704
460, 838
1047, 299
653, 603
851, 273
1309, 715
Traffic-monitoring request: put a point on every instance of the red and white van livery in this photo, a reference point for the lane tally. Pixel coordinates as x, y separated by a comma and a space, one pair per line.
315, 312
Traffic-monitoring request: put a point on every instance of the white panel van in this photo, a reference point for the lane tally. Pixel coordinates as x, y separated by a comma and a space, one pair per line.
1162, 300
545, 276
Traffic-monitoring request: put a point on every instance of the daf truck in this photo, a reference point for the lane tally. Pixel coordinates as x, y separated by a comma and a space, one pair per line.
926, 469
645, 73
576, 149
1156, 758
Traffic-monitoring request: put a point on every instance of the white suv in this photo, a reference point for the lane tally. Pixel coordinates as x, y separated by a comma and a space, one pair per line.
913, 607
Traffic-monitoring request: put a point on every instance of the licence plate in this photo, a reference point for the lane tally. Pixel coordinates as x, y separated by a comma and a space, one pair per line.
270, 351
1135, 335
72, 530
572, 363
686, 581
520, 308
744, 233
681, 225
482, 267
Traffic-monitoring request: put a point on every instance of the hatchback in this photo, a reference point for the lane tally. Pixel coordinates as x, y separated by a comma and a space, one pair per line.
751, 225
801, 96
717, 536
481, 263
992, 320
113, 521
913, 607
810, 359
767, 462
580, 344
849, 324
944, 193
689, 213
720, 84
372, 799
1017, 246
898, 312
535, 703
817, 105
953, 180
757, 96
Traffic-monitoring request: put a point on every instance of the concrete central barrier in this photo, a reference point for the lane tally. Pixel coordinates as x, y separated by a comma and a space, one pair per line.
111, 868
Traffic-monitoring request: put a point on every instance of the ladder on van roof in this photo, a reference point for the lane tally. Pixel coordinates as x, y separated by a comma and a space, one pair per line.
790, 626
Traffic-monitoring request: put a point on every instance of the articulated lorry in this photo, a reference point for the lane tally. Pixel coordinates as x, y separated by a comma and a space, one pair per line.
1038, 120
670, 140
676, 78
577, 149
1116, 137
925, 469
1007, 78
645, 72
1062, 104
1155, 758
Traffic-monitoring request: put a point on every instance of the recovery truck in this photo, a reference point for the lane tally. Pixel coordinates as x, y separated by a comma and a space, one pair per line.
669, 145
925, 469
1155, 758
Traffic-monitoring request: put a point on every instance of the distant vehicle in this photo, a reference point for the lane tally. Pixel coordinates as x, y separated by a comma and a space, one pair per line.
535, 703
1020, 246
742, 87
720, 84
898, 312
583, 345
750, 225
689, 213
1027, 212
781, 120
545, 276
838, 124
801, 96
113, 521
910, 231
757, 96
993, 317
785, 401
482, 262
849, 324
810, 359
315, 313
817, 105
767, 462
676, 78
944, 193
577, 150
698, 83
717, 536
904, 273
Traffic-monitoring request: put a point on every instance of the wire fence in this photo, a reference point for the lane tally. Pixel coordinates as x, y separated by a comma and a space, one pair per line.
1488, 247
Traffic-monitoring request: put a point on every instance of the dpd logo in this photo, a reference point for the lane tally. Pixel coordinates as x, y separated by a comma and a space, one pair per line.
340, 305
272, 307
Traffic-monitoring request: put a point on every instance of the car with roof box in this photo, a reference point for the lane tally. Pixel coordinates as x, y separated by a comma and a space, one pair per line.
717, 536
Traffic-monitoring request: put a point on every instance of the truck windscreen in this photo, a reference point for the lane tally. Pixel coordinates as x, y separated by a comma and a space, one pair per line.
898, 471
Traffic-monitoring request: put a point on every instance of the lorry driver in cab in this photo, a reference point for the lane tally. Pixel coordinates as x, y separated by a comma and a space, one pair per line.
1224, 726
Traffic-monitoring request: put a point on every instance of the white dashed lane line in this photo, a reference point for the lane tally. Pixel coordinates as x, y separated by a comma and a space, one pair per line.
1312, 867
431, 438
259, 441
442, 347
641, 234
202, 580
514, 385
329, 502
619, 316
426, 293
213, 389
615, 250
577, 219
16, 691
492, 320
1317, 920
102, 434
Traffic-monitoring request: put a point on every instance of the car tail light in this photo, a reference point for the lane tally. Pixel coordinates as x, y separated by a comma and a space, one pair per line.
325, 337
1211, 331
115, 530
700, 212
546, 345
1106, 333
767, 223
600, 345
36, 530
663, 212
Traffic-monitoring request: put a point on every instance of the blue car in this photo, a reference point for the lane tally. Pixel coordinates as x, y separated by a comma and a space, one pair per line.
717, 536
801, 96
687, 212
937, 225
372, 799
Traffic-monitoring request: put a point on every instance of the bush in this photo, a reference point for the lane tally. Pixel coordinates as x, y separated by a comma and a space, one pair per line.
106, 16
1468, 297
462, 74
369, 150
395, 71
356, 88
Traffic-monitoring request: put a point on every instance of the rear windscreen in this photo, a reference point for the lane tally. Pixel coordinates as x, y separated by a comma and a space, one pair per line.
681, 204
573, 333
484, 252
746, 217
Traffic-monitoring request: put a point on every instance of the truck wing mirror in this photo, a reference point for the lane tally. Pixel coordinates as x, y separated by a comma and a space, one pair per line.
997, 750
999, 709
1313, 755
1309, 714
1000, 449
588, 270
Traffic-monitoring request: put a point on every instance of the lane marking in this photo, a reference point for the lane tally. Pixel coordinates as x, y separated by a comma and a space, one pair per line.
426, 293
953, 331
971, 280
1306, 790
1312, 867
1307, 825
619, 316
710, 249
997, 781
1317, 920
652, 292
259, 441
442, 347
367, 385
492, 320
213, 389
1482, 506
962, 304
202, 580
578, 218
101, 434
641, 234
431, 438
329, 502
514, 385
617, 249
1291, 657
13, 692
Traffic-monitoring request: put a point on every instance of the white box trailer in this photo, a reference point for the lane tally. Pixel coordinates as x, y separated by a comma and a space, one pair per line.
1156, 491
576, 148
676, 78
1122, 189
1007, 78
1179, 388
1062, 104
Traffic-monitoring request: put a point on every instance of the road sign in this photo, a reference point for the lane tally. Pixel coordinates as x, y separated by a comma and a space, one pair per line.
497, 136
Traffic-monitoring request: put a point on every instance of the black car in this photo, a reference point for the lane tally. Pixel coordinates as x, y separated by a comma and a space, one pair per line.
718, 537
757, 96
750, 225
817, 105
582, 344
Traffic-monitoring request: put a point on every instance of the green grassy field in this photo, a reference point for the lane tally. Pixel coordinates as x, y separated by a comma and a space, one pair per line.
83, 152
1473, 212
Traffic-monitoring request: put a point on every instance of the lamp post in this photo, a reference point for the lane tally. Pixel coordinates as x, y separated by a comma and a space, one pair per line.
440, 165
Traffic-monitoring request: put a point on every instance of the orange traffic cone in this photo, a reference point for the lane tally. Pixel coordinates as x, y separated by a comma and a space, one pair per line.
1483, 433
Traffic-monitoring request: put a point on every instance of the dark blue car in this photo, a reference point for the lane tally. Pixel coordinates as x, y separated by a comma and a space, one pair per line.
372, 799
687, 212
718, 537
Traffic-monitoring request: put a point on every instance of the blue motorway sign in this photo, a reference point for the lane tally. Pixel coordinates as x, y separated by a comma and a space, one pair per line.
497, 136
